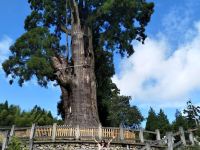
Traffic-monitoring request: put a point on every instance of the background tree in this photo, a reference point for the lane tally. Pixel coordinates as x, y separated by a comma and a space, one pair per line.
192, 114
120, 111
12, 115
163, 123
152, 122
91, 29
157, 121
180, 121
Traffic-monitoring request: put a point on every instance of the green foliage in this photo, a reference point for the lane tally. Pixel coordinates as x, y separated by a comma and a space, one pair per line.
12, 115
120, 111
163, 123
192, 114
29, 57
114, 23
180, 121
157, 121
152, 120
15, 144
152, 123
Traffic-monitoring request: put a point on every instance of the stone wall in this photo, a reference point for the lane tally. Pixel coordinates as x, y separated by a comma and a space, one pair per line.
82, 146
74, 147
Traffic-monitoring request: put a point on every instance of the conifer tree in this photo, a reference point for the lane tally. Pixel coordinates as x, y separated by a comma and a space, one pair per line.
180, 121
120, 111
192, 114
152, 122
12, 115
91, 28
163, 123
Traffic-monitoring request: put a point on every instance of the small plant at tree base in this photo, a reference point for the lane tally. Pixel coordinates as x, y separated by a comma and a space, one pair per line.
16, 144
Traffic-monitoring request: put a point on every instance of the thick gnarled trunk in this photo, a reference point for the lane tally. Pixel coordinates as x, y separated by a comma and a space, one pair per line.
77, 78
81, 103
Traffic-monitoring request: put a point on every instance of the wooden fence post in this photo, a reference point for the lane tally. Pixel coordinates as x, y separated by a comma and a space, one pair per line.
121, 132
141, 136
32, 133
77, 132
158, 134
170, 141
54, 132
100, 132
12, 131
182, 135
191, 137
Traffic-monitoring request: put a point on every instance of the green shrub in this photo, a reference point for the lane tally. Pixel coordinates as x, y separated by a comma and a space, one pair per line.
16, 144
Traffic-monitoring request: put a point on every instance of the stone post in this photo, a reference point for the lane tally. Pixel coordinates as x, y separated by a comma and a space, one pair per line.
141, 136
12, 132
121, 132
100, 132
54, 132
158, 134
31, 137
5, 141
169, 141
191, 137
148, 147
77, 132
182, 135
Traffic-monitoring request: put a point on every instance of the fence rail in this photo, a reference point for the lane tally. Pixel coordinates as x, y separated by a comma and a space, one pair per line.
63, 132
41, 132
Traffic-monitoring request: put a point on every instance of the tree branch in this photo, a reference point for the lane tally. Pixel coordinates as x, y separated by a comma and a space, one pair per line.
63, 72
64, 29
75, 12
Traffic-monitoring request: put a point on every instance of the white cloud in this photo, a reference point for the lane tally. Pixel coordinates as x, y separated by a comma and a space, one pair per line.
153, 77
5, 43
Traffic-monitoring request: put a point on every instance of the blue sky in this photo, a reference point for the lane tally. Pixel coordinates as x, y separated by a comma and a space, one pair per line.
163, 73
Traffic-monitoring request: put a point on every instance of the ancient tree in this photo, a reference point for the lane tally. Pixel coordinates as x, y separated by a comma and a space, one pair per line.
63, 40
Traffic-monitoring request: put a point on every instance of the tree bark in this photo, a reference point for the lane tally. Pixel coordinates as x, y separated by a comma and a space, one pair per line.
77, 78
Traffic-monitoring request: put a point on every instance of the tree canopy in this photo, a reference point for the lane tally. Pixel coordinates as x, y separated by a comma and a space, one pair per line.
114, 24
180, 121
120, 112
163, 123
192, 113
157, 121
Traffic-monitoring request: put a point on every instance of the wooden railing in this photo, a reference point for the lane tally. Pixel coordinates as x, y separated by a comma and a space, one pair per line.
65, 132
62, 132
